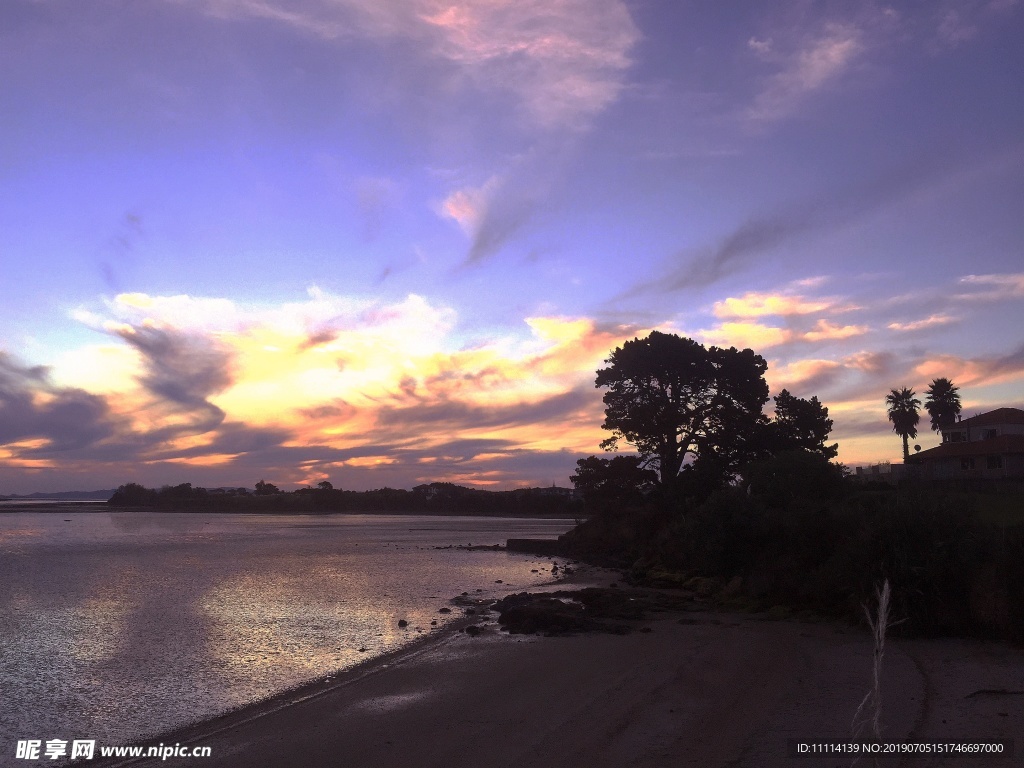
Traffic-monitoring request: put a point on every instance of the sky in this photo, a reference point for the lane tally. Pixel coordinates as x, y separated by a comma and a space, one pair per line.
387, 242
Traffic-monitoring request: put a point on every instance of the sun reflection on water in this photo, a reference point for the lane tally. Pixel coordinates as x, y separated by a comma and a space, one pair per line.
127, 627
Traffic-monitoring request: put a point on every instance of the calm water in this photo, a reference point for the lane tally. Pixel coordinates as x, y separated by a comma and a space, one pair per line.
116, 625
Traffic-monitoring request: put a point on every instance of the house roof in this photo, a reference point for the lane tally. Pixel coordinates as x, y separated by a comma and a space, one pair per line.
991, 418
1002, 444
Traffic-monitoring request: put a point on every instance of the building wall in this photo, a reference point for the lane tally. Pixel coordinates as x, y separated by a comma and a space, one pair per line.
1014, 465
953, 468
960, 433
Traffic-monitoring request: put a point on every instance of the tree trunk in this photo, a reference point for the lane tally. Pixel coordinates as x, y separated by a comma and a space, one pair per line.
906, 449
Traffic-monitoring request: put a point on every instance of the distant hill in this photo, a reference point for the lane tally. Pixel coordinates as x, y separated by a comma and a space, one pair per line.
63, 496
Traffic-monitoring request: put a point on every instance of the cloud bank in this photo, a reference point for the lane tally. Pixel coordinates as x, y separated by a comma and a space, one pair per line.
370, 393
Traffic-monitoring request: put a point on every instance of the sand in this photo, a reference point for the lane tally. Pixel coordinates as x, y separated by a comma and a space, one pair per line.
700, 688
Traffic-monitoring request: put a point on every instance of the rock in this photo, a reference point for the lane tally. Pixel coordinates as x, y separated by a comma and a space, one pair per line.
733, 588
403, 623
526, 614
704, 586
447, 610
473, 631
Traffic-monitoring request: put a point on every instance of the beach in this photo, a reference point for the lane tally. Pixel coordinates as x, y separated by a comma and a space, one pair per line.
694, 687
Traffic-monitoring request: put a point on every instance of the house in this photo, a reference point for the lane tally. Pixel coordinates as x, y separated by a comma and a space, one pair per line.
885, 472
989, 445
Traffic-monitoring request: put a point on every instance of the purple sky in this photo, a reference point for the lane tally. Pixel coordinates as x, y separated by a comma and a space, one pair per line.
389, 241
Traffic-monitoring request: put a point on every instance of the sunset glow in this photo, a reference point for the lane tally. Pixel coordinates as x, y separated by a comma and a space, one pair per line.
386, 243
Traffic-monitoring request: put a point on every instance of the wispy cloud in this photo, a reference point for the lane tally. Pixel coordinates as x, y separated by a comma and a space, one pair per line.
493, 213
998, 287
545, 69
927, 322
563, 60
954, 29
815, 64
761, 235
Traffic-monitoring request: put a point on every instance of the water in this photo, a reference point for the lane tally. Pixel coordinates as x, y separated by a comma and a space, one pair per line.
118, 625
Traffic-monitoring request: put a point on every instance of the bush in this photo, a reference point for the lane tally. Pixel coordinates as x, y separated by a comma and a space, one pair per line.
951, 574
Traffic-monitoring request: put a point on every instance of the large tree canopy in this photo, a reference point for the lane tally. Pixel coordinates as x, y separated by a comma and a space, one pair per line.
671, 397
800, 423
620, 479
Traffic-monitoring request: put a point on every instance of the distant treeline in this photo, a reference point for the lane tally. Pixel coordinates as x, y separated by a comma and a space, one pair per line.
430, 498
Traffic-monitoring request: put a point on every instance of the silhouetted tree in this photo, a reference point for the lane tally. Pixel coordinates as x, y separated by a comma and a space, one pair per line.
670, 396
266, 489
903, 413
616, 480
800, 423
132, 495
795, 474
942, 403
325, 485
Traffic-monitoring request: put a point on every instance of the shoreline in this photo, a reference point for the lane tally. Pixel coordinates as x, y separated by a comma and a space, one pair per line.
101, 506
580, 576
701, 687
195, 733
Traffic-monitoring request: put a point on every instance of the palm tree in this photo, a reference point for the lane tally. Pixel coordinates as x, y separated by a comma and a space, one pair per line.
903, 407
942, 404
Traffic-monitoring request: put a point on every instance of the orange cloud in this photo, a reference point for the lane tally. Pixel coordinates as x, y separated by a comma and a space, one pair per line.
752, 335
358, 384
758, 336
981, 371
928, 322
826, 331
754, 304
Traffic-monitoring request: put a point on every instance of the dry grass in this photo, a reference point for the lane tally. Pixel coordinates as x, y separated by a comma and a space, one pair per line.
870, 710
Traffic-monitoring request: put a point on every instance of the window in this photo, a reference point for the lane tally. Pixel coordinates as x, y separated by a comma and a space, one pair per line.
988, 434
957, 437
966, 463
995, 462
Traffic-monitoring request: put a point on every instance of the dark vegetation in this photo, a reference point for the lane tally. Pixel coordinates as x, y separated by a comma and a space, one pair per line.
723, 500
432, 498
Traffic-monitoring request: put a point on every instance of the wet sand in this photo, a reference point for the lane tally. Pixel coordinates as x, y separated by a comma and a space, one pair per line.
700, 688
